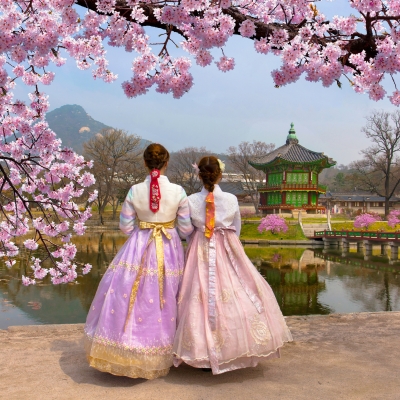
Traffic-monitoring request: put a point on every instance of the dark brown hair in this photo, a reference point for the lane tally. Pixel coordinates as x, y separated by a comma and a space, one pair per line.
209, 171
155, 156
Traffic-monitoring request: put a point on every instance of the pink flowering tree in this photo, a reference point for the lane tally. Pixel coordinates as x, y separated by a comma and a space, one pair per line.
274, 223
394, 218
37, 35
364, 221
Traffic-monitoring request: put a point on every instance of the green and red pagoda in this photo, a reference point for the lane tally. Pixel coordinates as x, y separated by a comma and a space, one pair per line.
291, 181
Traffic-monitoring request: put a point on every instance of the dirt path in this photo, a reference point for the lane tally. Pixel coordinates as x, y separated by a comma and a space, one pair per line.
353, 356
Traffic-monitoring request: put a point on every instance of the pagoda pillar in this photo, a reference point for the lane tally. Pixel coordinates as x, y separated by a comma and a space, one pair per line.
283, 198
309, 198
284, 177
310, 177
266, 179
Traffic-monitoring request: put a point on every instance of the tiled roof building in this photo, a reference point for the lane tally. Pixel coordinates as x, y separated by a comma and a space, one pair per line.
291, 177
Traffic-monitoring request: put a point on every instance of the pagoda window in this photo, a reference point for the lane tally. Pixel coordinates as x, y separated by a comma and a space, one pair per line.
314, 178
313, 199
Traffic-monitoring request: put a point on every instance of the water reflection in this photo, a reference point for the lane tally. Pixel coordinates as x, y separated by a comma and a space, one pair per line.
304, 281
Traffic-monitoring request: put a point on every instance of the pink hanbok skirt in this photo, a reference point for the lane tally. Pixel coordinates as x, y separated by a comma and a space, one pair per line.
228, 316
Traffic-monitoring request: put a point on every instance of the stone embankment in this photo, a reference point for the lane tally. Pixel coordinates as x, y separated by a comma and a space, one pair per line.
352, 356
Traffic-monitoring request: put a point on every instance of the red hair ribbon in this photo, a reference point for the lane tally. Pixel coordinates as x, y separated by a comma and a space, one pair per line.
210, 215
155, 194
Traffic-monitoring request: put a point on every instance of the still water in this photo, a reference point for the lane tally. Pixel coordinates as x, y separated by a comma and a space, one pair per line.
305, 281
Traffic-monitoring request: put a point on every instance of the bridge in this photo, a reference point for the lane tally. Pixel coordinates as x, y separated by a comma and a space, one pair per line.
363, 239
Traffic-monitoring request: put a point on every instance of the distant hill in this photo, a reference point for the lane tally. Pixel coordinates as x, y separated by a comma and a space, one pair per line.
74, 126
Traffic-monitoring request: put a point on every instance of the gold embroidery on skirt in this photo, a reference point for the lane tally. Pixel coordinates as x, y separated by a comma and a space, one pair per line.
225, 296
219, 340
259, 330
158, 229
118, 358
187, 339
198, 298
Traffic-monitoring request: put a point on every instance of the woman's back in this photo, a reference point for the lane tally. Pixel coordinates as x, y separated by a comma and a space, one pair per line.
171, 196
226, 209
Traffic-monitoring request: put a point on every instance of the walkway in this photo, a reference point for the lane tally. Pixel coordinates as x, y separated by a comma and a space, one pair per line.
353, 356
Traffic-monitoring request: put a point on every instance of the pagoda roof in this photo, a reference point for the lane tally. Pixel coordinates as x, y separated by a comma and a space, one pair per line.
292, 152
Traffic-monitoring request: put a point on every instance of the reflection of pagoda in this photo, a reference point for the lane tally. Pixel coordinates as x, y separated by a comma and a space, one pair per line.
294, 282
291, 177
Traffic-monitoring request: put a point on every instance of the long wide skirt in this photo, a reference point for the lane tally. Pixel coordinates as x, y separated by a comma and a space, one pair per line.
228, 316
144, 348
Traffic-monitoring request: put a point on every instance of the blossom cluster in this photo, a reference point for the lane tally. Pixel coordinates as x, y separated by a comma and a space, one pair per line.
36, 36
364, 221
274, 223
394, 218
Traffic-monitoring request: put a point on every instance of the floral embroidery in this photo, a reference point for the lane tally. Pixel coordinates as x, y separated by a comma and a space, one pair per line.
148, 350
112, 311
187, 340
198, 298
225, 296
259, 330
146, 271
218, 340
151, 301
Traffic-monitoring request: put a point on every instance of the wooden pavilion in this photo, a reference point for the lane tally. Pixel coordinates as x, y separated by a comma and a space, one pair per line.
291, 181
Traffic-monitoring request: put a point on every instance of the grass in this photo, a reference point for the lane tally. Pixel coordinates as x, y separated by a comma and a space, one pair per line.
338, 226
250, 232
313, 220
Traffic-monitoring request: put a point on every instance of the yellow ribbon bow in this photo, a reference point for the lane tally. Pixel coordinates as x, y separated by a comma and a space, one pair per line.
158, 228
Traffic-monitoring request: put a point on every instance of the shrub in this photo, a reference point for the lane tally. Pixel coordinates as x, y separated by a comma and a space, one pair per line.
274, 223
366, 220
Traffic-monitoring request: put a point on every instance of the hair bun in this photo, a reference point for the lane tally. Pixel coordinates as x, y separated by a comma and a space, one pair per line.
155, 156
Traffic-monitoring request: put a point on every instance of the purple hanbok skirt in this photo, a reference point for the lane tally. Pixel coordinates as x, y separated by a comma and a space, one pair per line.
144, 348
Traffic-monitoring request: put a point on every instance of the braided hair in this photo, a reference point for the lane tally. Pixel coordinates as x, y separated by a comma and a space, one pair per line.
209, 172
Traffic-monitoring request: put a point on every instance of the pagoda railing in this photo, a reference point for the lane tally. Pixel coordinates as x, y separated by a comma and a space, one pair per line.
292, 186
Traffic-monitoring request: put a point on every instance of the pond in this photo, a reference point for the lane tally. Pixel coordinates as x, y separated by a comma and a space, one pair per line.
305, 281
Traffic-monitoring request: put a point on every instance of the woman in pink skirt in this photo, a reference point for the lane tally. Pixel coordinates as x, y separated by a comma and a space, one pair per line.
228, 317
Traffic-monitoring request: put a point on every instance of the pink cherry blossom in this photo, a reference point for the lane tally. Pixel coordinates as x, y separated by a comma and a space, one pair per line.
274, 223
36, 37
31, 244
364, 221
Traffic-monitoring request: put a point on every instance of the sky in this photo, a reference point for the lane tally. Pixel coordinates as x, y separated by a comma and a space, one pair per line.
224, 109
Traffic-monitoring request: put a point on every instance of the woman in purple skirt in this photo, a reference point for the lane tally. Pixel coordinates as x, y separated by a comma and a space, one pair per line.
131, 324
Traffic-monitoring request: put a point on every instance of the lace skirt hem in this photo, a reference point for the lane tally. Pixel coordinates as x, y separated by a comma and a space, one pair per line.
125, 370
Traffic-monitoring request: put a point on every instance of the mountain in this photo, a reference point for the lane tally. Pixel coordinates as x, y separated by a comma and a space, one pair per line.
73, 125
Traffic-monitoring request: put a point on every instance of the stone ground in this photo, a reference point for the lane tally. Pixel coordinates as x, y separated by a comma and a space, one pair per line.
350, 356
